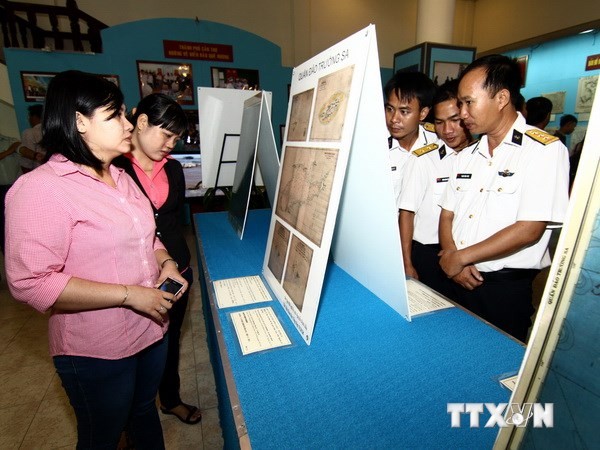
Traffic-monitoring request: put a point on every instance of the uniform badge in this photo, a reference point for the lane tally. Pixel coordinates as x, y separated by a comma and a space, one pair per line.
442, 151
541, 136
429, 126
463, 176
506, 173
393, 168
517, 137
390, 142
442, 180
424, 150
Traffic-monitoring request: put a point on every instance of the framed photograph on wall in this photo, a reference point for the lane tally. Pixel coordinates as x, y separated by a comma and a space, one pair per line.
191, 138
445, 71
522, 62
232, 78
172, 79
35, 85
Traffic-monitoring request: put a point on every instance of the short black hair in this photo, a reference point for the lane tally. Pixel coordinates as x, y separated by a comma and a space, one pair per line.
447, 91
36, 110
163, 112
409, 85
502, 72
567, 118
68, 93
538, 109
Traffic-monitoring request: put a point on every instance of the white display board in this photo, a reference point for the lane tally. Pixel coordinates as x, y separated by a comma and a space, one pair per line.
335, 104
220, 113
257, 143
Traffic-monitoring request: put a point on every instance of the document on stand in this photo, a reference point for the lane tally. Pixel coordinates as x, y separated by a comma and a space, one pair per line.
422, 299
240, 291
258, 329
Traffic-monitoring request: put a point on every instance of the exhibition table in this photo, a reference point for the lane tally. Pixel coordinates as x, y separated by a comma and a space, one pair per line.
369, 379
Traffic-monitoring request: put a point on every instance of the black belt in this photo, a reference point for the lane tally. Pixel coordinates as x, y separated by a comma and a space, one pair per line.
510, 274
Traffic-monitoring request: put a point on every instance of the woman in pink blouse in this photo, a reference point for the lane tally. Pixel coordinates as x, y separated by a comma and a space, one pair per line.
81, 245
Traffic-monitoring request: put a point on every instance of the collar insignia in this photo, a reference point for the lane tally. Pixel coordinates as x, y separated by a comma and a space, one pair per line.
506, 173
442, 151
517, 137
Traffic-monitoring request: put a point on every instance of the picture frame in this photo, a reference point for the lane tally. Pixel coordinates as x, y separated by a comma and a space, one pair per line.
522, 62
234, 78
171, 78
444, 71
423, 57
35, 85
191, 138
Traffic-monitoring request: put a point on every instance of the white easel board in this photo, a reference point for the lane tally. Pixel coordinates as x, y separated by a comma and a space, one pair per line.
257, 144
220, 113
335, 99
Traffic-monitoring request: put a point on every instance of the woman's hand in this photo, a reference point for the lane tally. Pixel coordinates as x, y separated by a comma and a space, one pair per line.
152, 302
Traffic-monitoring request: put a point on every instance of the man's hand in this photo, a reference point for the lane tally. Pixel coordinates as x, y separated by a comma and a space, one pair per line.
451, 262
469, 278
410, 271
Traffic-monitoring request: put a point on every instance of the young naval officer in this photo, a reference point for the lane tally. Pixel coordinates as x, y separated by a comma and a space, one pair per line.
503, 193
424, 182
408, 97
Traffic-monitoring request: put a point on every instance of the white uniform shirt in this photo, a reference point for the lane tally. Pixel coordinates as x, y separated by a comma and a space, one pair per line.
424, 182
30, 139
524, 180
399, 156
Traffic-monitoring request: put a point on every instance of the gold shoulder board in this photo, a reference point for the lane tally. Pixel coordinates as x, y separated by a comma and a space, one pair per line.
424, 150
541, 136
429, 126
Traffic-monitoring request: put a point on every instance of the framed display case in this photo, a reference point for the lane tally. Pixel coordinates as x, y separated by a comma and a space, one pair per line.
435, 60
35, 85
232, 78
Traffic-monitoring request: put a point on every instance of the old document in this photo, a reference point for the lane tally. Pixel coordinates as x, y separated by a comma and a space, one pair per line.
333, 91
305, 189
259, 329
422, 299
240, 291
300, 115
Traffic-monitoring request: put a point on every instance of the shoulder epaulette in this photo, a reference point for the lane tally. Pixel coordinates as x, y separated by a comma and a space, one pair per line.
424, 150
428, 126
541, 136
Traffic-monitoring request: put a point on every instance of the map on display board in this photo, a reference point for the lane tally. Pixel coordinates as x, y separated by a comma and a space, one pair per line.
334, 126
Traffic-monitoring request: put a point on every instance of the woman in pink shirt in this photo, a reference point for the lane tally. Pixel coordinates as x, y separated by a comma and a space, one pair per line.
81, 245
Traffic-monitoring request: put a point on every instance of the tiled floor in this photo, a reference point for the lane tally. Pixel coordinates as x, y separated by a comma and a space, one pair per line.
34, 410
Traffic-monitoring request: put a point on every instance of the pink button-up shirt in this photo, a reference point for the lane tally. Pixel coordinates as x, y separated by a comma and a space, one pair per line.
63, 223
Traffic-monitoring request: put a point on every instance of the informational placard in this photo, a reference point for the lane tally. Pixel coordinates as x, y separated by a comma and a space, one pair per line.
422, 299
240, 291
220, 114
258, 330
325, 95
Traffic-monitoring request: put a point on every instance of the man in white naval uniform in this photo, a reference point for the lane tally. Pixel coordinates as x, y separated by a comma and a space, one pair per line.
425, 179
503, 193
408, 97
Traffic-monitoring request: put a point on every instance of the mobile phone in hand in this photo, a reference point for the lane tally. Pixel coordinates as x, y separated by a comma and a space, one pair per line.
171, 286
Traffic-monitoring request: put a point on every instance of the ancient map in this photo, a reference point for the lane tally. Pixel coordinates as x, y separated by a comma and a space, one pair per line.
300, 116
297, 271
333, 91
305, 189
279, 245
